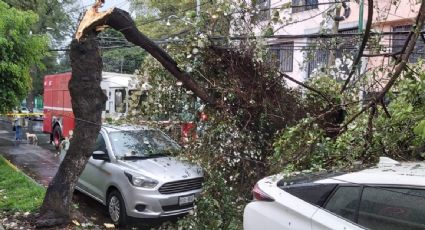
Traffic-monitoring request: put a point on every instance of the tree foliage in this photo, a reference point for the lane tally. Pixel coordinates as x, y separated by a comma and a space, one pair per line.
19, 51
55, 20
176, 17
118, 55
55, 16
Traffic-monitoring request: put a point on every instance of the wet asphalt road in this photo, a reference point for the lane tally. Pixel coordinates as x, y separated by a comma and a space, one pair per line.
40, 162
36, 160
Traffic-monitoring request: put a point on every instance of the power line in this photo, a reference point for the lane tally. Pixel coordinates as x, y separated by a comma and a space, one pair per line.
283, 7
244, 37
169, 15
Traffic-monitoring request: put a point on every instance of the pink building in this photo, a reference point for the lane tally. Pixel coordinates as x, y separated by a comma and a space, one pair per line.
301, 20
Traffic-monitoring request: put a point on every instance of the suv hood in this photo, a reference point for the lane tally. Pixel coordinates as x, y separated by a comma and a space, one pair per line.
164, 169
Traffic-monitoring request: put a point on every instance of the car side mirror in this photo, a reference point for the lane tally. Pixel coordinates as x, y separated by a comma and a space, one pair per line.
100, 155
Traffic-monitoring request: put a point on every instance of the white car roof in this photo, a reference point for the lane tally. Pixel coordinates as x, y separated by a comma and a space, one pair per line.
387, 172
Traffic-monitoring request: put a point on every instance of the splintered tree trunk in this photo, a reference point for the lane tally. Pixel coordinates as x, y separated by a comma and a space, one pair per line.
88, 101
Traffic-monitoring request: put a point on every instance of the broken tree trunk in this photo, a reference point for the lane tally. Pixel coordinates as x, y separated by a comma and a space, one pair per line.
88, 101
121, 21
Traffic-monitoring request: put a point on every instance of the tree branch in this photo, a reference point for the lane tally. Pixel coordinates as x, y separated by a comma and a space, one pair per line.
321, 94
121, 21
409, 46
362, 46
385, 109
369, 131
382, 54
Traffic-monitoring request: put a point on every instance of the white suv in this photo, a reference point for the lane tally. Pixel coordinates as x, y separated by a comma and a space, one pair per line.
390, 196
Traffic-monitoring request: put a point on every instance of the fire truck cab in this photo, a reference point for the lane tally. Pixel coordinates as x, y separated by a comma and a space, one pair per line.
58, 115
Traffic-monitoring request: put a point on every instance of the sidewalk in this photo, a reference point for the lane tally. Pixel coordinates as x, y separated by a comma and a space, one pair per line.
38, 162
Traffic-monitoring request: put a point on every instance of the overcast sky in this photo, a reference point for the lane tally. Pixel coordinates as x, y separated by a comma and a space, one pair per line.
122, 4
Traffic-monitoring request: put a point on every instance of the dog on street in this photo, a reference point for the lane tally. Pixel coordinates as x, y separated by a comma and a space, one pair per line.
32, 138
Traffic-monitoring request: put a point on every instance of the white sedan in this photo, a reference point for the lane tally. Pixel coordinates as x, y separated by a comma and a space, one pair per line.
390, 196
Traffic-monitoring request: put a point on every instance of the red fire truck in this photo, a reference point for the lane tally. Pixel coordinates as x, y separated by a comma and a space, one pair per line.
58, 115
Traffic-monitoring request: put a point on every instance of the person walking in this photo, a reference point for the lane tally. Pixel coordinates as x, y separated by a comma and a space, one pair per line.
19, 123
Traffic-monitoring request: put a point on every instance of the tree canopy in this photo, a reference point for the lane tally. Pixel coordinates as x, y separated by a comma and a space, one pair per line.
174, 16
54, 19
119, 55
20, 50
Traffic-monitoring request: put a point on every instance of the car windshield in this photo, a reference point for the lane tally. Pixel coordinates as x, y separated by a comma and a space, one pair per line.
138, 144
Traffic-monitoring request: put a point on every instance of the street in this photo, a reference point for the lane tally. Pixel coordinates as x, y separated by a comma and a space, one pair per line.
40, 162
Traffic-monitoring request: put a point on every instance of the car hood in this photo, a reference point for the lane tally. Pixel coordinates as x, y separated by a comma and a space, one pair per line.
163, 168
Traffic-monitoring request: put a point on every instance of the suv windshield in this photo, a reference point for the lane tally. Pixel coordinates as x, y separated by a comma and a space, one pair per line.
129, 145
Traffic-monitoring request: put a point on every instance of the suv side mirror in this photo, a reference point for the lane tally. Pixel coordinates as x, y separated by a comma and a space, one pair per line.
100, 155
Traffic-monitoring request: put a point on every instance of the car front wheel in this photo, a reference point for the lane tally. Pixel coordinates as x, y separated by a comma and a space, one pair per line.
116, 208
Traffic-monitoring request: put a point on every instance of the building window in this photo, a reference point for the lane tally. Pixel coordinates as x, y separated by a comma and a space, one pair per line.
283, 54
120, 101
317, 60
346, 49
398, 41
304, 5
264, 7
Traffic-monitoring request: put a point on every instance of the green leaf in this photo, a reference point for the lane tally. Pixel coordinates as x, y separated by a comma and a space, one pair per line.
420, 129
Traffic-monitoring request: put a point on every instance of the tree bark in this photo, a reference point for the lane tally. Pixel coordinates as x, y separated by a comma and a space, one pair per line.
88, 101
335, 30
121, 21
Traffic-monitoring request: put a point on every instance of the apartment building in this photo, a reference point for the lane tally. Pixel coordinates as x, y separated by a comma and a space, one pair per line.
301, 52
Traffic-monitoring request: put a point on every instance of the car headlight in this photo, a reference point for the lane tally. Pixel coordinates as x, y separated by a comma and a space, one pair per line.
141, 181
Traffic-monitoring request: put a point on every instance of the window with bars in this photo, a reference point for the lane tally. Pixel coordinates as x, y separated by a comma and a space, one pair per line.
318, 58
304, 5
283, 54
398, 41
264, 7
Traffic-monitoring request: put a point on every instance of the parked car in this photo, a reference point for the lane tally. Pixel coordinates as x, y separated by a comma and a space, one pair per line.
37, 115
390, 196
131, 173
25, 110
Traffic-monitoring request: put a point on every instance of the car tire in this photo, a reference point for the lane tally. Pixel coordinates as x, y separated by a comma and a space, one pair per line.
116, 208
57, 136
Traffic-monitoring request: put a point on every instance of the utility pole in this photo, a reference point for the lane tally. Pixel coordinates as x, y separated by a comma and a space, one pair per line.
361, 16
198, 10
360, 30
335, 29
